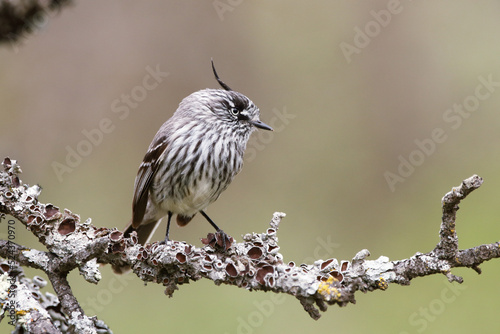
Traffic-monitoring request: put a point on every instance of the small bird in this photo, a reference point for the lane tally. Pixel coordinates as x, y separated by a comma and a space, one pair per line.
192, 159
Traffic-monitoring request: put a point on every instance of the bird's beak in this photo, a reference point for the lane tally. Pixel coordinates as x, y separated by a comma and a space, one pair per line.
261, 125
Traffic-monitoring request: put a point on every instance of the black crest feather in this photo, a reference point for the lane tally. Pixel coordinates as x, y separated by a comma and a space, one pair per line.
223, 85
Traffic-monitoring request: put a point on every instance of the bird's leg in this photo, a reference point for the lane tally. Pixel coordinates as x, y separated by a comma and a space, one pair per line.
210, 221
220, 232
168, 228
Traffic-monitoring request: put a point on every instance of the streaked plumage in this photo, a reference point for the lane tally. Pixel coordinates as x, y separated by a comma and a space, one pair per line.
193, 158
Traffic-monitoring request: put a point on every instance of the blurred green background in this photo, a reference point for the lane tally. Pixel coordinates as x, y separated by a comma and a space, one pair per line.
350, 87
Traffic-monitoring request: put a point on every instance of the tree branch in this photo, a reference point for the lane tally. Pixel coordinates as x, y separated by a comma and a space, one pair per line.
24, 303
254, 264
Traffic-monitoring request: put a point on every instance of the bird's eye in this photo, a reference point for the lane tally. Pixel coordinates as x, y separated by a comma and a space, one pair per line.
234, 111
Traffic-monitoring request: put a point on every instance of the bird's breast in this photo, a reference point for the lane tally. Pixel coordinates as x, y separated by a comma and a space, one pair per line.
196, 173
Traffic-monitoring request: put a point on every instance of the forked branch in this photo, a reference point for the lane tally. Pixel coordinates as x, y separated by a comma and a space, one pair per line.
253, 264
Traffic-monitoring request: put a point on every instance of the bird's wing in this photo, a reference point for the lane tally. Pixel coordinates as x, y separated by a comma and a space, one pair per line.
144, 178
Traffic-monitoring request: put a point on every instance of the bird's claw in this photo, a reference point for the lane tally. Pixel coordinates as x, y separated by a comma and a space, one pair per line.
218, 240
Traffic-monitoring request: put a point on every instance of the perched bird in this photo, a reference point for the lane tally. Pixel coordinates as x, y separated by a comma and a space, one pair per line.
192, 159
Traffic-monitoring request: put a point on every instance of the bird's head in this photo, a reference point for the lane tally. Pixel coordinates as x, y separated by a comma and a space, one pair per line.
224, 107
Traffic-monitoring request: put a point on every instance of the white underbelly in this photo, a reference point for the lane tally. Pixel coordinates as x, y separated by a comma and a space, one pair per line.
198, 199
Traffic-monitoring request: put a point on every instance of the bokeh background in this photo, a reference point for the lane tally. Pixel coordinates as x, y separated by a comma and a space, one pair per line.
349, 90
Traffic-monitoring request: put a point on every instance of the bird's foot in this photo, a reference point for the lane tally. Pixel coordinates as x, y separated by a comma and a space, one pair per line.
218, 240
164, 242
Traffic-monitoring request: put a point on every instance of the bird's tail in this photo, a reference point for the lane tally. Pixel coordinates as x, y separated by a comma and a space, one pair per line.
144, 233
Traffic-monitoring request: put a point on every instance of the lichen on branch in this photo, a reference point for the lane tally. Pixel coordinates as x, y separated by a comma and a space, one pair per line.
254, 264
